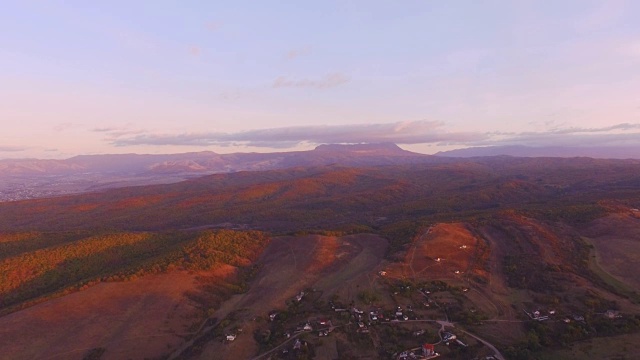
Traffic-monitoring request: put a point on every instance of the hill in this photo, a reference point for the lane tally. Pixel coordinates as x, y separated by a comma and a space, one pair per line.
34, 178
596, 152
484, 243
340, 197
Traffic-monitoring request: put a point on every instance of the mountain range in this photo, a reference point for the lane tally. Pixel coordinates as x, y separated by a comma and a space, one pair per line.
36, 178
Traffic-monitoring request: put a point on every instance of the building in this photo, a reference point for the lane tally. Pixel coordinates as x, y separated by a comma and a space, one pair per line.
428, 350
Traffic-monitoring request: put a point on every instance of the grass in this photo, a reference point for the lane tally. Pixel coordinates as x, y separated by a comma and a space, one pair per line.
617, 285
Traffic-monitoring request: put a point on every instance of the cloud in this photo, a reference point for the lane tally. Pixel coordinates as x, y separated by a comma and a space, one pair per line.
325, 82
12, 148
113, 133
404, 133
408, 132
296, 53
618, 134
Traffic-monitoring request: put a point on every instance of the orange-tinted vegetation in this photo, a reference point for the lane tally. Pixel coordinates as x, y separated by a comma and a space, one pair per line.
142, 318
443, 251
492, 235
120, 256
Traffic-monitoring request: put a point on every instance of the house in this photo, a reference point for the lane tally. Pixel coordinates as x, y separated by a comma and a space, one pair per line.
419, 332
611, 314
297, 345
447, 336
231, 337
307, 327
323, 321
273, 315
300, 296
383, 273
428, 350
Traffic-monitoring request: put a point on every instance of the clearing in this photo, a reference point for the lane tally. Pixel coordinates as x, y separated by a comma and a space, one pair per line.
142, 318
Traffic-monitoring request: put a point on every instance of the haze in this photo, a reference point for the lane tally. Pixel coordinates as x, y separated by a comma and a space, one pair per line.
163, 77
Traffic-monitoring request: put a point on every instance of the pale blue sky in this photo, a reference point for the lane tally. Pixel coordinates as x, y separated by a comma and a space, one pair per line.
80, 77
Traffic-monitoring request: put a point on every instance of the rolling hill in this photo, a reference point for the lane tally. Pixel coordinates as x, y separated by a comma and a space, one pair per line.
488, 237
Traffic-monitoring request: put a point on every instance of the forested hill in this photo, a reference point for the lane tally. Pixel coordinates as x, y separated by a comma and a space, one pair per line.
332, 197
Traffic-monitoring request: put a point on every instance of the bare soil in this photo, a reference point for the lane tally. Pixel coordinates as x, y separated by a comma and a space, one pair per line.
290, 265
142, 318
446, 251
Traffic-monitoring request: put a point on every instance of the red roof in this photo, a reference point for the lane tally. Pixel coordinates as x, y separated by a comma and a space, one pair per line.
428, 347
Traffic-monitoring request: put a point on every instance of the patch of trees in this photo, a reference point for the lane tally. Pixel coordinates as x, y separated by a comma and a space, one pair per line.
526, 271
555, 335
121, 256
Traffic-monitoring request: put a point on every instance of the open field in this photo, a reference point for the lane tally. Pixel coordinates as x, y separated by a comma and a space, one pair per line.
622, 347
616, 239
290, 265
443, 251
142, 318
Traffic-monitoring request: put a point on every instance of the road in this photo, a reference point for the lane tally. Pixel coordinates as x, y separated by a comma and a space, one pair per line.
442, 323
497, 353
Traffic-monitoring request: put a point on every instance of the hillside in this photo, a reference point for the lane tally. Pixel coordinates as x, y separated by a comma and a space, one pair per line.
339, 197
480, 243
34, 178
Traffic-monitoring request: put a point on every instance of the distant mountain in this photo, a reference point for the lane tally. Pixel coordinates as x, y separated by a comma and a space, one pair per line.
320, 196
600, 152
363, 154
32, 178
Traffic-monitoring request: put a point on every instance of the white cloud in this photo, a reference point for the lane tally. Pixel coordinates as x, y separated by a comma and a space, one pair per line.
406, 132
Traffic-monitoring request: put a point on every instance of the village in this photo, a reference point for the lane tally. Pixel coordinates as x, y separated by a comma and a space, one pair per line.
419, 329
419, 325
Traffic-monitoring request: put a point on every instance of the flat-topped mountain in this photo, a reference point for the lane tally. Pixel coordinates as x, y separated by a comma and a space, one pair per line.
33, 178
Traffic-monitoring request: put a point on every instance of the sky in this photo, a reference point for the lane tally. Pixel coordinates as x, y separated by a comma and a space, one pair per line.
96, 77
